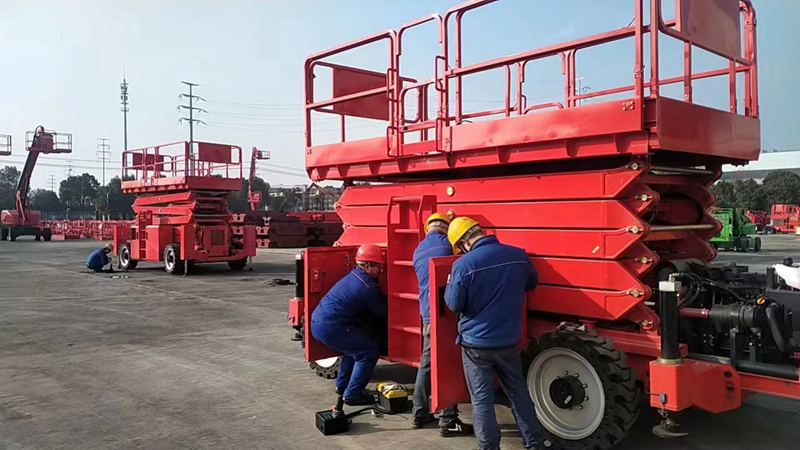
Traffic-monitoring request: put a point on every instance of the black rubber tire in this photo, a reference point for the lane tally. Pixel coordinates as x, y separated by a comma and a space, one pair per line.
12, 236
126, 262
47, 234
328, 373
3, 234
238, 265
172, 252
757, 245
745, 245
623, 395
37, 238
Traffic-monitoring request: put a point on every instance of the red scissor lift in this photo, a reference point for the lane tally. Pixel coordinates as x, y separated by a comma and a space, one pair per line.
606, 196
181, 207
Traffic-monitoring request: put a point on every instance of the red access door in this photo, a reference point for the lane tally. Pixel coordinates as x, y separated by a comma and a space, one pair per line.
448, 385
324, 266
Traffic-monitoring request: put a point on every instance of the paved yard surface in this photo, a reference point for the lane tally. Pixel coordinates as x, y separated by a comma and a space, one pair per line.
154, 361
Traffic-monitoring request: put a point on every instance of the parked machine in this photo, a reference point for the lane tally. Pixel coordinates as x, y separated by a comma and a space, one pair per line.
737, 231
609, 198
785, 218
23, 221
762, 221
181, 207
254, 197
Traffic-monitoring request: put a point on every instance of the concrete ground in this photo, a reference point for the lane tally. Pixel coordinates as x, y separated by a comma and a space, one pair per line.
153, 361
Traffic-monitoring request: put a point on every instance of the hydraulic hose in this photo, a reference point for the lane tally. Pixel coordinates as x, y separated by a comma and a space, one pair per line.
776, 328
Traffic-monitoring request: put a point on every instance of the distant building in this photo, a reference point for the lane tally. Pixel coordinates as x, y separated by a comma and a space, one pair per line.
788, 160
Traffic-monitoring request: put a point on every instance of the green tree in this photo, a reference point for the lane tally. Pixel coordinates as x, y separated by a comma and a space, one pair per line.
726, 197
79, 192
44, 200
781, 187
9, 177
750, 195
119, 205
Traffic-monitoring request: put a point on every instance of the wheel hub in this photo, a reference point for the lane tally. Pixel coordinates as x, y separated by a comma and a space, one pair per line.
567, 392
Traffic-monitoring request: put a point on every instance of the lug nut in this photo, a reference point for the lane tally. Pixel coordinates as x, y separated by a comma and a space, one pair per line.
580, 407
584, 385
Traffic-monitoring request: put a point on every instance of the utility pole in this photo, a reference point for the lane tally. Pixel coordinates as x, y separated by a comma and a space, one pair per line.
52, 183
68, 169
103, 154
191, 109
123, 96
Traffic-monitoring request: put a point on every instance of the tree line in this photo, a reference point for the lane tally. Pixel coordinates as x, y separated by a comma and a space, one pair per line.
84, 193
778, 187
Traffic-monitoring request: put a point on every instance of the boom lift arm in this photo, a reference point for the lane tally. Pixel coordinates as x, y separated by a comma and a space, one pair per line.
39, 141
254, 197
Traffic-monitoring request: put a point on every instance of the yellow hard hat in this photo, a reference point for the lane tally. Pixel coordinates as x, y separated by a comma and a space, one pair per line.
436, 216
109, 247
458, 228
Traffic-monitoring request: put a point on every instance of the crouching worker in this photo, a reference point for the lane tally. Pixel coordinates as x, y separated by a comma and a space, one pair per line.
487, 289
339, 322
99, 259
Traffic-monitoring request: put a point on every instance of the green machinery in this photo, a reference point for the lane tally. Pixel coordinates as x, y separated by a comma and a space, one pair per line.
737, 231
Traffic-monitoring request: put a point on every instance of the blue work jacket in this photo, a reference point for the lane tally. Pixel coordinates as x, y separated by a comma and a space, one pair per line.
487, 289
435, 244
97, 259
350, 299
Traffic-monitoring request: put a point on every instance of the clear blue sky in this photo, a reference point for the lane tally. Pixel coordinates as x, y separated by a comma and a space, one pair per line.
61, 63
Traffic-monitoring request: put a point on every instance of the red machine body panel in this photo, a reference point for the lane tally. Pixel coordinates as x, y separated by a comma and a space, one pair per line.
448, 385
324, 266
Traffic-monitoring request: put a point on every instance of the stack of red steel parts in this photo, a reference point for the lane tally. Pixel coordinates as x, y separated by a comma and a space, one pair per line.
276, 229
99, 230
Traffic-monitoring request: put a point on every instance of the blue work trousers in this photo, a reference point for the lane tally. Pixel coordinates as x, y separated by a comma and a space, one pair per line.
360, 355
422, 386
480, 367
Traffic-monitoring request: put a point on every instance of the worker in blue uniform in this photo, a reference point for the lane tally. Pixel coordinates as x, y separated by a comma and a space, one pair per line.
99, 259
434, 244
340, 318
487, 290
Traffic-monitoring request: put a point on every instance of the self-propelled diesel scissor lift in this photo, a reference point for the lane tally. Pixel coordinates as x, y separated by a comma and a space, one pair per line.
181, 207
609, 197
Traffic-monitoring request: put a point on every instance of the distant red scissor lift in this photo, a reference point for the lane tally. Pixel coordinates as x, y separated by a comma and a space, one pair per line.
605, 196
181, 207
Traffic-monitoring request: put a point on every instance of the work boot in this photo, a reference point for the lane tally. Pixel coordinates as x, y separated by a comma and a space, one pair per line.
456, 428
546, 445
359, 401
420, 422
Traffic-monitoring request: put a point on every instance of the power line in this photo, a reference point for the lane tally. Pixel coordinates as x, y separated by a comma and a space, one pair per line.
103, 155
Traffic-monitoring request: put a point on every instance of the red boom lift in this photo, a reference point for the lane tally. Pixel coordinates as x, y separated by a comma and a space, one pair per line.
609, 198
254, 197
181, 207
23, 221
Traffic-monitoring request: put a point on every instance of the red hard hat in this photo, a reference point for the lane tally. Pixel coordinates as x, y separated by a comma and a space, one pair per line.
370, 253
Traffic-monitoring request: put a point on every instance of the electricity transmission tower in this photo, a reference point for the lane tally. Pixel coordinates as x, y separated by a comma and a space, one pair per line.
123, 96
191, 109
103, 155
